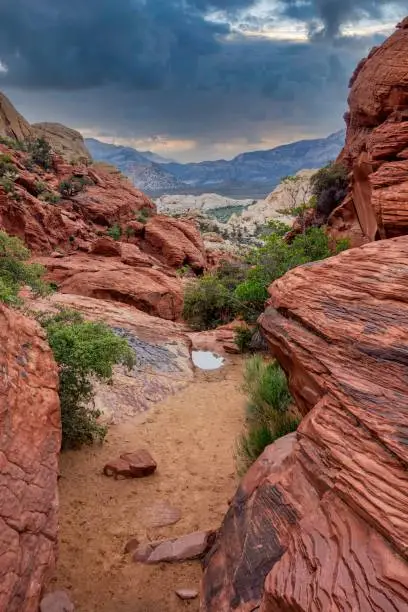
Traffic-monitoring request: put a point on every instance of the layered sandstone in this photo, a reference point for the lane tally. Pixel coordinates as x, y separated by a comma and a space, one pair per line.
12, 124
376, 149
64, 140
29, 445
108, 278
320, 522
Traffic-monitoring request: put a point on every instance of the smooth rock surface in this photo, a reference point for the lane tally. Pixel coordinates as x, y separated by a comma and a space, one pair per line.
320, 522
30, 438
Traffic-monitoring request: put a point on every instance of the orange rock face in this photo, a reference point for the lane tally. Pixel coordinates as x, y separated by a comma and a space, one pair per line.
108, 278
176, 242
320, 522
30, 439
376, 149
108, 199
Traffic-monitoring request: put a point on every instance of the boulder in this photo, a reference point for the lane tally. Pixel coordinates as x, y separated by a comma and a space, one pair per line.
377, 142
185, 548
187, 594
107, 278
138, 464
175, 242
29, 445
320, 522
105, 246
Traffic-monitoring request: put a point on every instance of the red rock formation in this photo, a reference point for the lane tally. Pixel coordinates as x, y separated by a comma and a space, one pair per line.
376, 149
176, 242
321, 520
107, 278
29, 446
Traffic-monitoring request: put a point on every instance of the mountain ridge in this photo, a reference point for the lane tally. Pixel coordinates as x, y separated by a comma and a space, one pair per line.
249, 174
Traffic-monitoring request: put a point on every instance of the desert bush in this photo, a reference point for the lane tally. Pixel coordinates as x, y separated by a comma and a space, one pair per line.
242, 288
274, 259
84, 351
74, 185
142, 215
12, 143
41, 153
50, 197
115, 232
268, 415
329, 186
207, 303
232, 273
243, 337
15, 272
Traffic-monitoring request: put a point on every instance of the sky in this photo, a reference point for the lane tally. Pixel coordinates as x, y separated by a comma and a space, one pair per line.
189, 79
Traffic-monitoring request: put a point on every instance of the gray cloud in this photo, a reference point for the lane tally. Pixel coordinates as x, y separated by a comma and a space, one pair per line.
334, 13
139, 68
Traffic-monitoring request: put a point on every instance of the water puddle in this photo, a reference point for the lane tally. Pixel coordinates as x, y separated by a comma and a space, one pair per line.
206, 360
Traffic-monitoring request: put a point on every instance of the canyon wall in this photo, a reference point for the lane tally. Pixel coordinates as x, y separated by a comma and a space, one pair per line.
320, 520
30, 437
376, 149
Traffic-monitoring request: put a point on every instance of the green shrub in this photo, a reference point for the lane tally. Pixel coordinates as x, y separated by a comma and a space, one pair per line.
329, 186
207, 303
243, 337
274, 259
12, 143
74, 185
84, 351
130, 232
231, 274
142, 215
242, 288
50, 197
268, 415
115, 232
41, 153
15, 272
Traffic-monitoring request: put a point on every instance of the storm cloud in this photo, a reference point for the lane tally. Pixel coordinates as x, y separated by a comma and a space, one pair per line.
182, 69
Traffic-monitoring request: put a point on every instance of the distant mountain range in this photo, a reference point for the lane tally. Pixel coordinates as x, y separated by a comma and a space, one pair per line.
251, 175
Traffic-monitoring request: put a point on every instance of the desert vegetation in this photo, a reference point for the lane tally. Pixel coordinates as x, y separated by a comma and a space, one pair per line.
268, 414
15, 271
241, 289
84, 351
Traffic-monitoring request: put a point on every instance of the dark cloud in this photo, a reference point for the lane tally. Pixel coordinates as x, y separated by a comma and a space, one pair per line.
137, 68
334, 13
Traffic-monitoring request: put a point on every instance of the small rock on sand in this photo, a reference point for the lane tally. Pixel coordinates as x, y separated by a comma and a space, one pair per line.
187, 594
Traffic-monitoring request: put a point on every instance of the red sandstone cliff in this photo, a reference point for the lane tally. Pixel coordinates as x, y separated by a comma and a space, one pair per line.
70, 238
376, 149
320, 522
29, 447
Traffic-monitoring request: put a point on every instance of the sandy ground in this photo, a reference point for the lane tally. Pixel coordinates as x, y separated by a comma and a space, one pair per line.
192, 437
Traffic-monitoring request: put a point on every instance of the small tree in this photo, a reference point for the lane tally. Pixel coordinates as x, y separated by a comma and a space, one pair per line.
329, 186
41, 153
115, 232
84, 350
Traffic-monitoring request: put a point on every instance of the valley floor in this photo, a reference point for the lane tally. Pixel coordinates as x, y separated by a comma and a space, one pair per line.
192, 436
